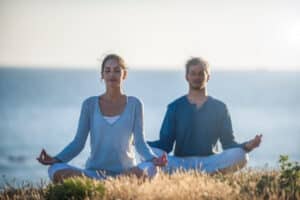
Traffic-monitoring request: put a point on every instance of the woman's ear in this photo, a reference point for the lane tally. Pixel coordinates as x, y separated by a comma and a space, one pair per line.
125, 74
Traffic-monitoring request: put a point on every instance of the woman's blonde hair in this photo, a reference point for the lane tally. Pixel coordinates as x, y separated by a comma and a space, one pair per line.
116, 57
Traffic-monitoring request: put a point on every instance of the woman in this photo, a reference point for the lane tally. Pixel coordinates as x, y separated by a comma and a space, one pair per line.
113, 121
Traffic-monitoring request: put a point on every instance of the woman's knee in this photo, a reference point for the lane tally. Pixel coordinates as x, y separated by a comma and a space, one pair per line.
54, 168
58, 176
62, 174
58, 171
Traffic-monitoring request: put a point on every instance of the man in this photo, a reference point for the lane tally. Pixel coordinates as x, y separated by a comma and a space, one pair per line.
195, 122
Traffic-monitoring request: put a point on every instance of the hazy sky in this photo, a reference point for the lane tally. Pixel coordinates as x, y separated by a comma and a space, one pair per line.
152, 34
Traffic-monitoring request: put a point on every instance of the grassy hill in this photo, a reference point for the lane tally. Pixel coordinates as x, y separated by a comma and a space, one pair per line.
247, 184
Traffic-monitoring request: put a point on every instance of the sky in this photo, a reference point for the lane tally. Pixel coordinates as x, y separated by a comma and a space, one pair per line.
154, 34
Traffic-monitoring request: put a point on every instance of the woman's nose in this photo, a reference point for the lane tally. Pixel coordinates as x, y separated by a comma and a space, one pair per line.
111, 73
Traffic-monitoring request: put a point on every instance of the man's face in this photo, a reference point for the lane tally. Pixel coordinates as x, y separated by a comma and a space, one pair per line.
197, 77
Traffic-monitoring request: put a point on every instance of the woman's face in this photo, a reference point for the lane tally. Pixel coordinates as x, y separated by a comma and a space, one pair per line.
113, 74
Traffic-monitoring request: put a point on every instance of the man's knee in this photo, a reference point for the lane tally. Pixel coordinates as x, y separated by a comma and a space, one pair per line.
238, 156
241, 157
238, 159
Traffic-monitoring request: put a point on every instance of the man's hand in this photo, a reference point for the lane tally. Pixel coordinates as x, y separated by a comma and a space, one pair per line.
46, 159
255, 142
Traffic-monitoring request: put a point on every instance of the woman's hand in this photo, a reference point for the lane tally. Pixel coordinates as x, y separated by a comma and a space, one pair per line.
160, 161
255, 142
46, 159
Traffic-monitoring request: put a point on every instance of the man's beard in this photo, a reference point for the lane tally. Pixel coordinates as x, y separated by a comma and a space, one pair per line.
197, 87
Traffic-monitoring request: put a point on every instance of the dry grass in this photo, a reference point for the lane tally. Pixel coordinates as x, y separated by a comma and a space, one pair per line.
249, 184
188, 185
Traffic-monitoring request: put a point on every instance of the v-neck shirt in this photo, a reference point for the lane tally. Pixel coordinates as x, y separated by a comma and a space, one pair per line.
111, 144
195, 131
111, 119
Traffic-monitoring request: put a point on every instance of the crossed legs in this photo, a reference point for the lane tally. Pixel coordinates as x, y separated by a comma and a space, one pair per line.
60, 171
229, 160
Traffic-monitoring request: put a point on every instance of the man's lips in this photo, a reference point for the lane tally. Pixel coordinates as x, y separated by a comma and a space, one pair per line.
197, 82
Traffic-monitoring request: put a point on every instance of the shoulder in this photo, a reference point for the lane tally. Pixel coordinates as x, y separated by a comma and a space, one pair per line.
134, 100
177, 102
217, 103
90, 101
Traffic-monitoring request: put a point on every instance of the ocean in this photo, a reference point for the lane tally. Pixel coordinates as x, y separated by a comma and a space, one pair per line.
39, 108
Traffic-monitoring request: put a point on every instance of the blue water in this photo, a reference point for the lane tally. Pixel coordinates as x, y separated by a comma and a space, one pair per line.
39, 108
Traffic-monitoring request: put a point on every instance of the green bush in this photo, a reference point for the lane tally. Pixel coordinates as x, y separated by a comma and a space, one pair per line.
289, 180
75, 188
286, 185
266, 186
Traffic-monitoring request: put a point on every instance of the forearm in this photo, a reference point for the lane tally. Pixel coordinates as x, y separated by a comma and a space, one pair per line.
69, 152
161, 145
144, 150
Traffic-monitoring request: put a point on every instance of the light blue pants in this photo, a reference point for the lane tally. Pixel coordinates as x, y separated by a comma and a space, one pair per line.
95, 174
228, 160
147, 167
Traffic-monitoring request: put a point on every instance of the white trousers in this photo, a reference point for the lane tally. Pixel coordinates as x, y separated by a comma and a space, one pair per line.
147, 167
229, 160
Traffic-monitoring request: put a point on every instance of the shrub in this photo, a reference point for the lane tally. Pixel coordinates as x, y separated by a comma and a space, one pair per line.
289, 180
285, 185
75, 188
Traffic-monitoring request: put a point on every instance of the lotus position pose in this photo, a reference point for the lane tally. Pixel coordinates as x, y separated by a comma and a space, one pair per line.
114, 122
195, 122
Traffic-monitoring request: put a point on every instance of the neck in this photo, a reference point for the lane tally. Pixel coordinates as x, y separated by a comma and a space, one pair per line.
113, 93
198, 94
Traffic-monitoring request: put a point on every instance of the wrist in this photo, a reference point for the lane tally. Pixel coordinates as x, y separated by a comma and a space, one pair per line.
153, 159
56, 160
247, 147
